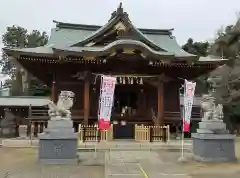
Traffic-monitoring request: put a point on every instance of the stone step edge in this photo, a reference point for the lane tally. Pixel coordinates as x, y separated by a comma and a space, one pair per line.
34, 143
104, 148
98, 146
115, 149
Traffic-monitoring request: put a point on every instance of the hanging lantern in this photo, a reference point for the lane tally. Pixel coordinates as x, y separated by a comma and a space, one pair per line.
131, 81
141, 81
120, 80
124, 81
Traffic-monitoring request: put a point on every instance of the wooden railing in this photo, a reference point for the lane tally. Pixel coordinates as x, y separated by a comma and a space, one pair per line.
38, 113
92, 133
152, 133
142, 133
37, 118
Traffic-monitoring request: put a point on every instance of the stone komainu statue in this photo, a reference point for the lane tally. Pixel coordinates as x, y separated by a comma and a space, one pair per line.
64, 104
218, 112
210, 109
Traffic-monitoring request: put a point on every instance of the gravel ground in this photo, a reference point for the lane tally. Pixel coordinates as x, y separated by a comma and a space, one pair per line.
22, 163
199, 170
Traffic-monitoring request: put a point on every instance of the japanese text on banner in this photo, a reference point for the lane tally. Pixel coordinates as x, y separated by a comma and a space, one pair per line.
189, 90
106, 98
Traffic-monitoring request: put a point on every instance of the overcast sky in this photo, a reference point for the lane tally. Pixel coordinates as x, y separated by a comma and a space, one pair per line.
198, 19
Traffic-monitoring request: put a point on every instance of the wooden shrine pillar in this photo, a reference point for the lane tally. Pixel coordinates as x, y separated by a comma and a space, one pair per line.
53, 91
54, 94
86, 99
160, 103
35, 129
41, 127
141, 103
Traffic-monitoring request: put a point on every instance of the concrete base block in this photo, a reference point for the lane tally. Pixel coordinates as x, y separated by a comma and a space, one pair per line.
212, 125
59, 144
214, 147
58, 161
63, 150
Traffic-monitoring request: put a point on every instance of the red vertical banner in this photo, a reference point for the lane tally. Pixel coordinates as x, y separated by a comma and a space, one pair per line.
189, 90
106, 101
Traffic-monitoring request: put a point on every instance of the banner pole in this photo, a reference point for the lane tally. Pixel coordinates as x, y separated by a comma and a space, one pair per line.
184, 115
189, 90
97, 130
181, 159
95, 149
182, 137
106, 102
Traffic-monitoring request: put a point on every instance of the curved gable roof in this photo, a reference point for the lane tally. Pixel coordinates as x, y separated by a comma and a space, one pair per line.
117, 16
66, 35
70, 35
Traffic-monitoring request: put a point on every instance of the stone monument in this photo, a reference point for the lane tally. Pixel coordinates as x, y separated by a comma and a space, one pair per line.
58, 144
212, 142
8, 125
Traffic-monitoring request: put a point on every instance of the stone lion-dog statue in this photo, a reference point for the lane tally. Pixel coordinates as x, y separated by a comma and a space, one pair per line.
64, 104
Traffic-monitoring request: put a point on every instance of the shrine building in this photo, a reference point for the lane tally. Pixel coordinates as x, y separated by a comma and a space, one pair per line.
149, 66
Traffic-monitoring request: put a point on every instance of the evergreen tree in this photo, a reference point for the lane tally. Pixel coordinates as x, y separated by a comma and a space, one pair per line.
18, 37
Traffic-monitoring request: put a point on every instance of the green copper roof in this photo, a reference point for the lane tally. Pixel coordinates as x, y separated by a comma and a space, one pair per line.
169, 44
73, 37
67, 34
118, 43
67, 37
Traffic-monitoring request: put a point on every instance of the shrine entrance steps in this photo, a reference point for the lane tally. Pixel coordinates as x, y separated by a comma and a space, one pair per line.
132, 145
113, 145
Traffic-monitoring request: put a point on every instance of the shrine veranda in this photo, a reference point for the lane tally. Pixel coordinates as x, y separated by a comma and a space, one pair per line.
149, 66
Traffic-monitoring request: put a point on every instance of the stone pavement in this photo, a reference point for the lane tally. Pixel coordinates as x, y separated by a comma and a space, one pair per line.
139, 164
163, 164
22, 163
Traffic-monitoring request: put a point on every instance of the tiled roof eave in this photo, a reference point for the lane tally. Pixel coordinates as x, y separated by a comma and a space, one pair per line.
112, 46
36, 54
211, 60
219, 63
186, 57
18, 52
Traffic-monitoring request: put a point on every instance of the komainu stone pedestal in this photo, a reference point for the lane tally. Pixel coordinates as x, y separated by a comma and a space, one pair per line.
212, 143
58, 145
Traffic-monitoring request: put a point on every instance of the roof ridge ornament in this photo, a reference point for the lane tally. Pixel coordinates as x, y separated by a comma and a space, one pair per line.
119, 12
120, 9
